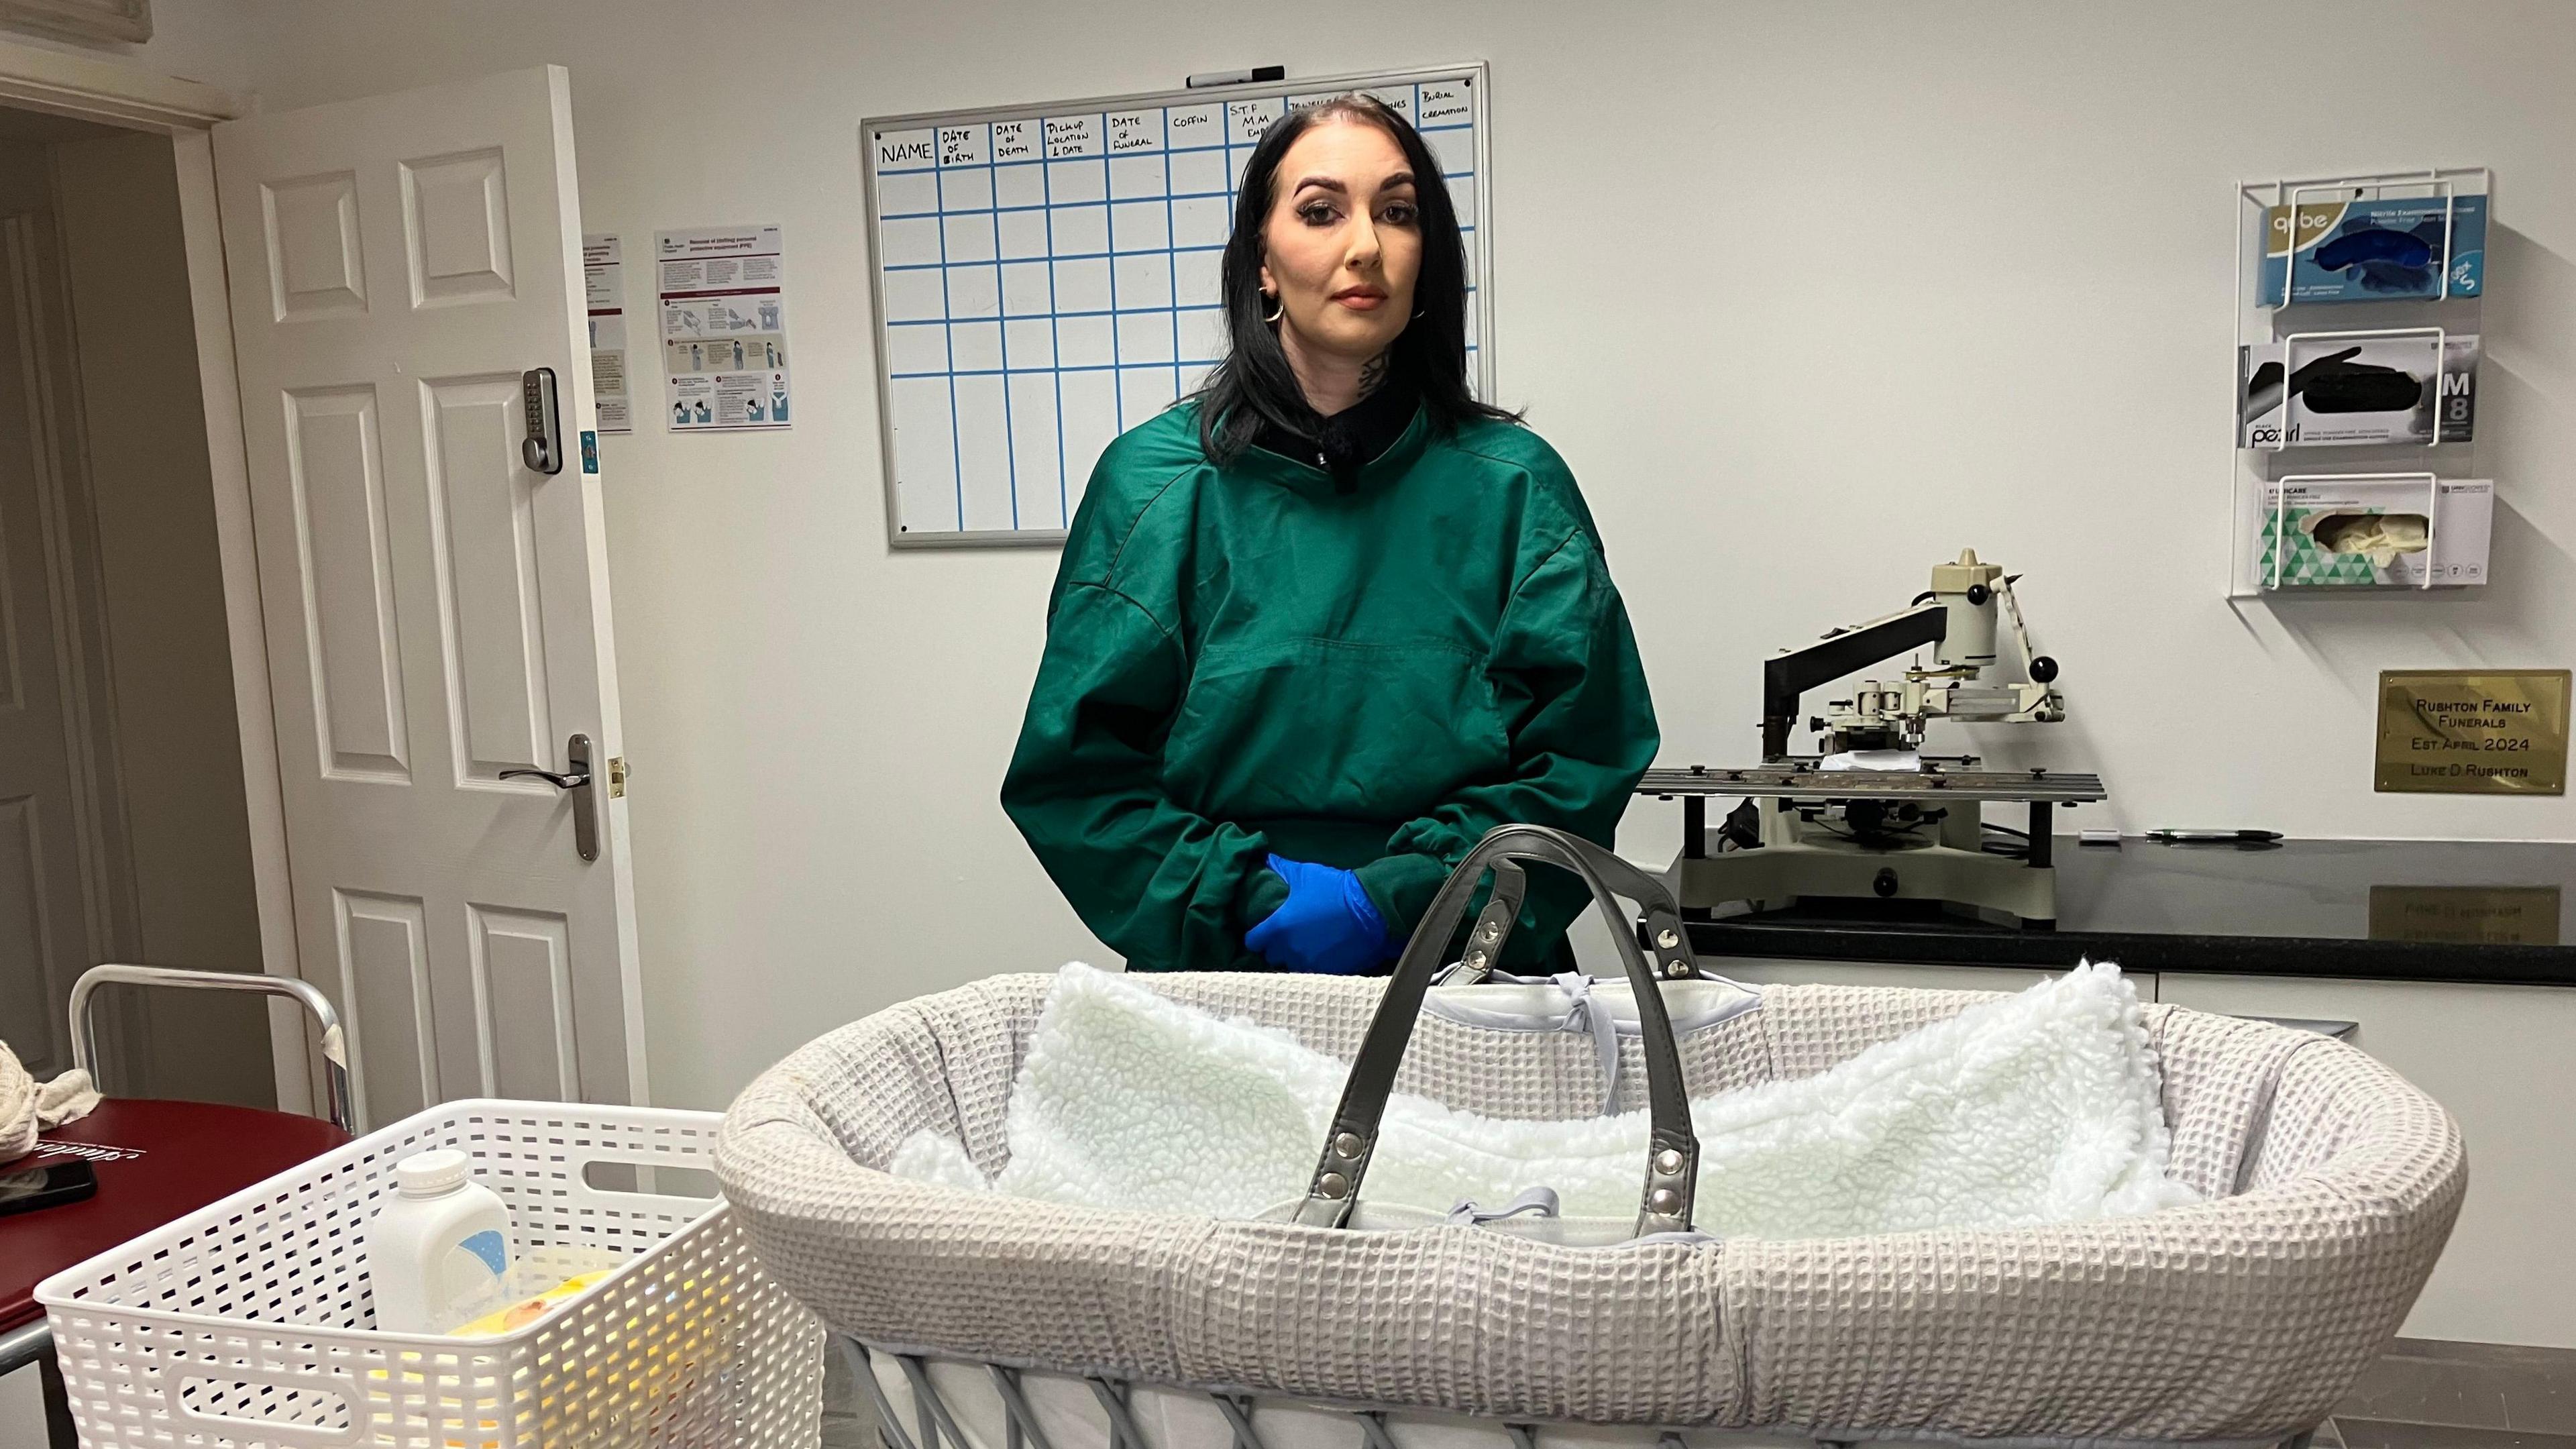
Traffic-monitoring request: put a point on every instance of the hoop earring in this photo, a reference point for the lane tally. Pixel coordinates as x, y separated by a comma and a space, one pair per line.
1276, 307
1417, 313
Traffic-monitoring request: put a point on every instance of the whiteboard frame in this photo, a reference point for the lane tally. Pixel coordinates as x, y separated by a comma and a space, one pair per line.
1481, 249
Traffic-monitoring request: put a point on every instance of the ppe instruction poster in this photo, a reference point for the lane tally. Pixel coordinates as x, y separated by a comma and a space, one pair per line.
603, 274
724, 328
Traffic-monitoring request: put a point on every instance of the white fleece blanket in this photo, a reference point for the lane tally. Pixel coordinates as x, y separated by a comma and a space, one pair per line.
28, 1106
2041, 1107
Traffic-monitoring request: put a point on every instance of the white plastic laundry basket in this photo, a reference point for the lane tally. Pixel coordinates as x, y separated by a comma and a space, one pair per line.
247, 1323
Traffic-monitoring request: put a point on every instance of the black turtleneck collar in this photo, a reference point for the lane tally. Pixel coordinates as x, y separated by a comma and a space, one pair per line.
1351, 438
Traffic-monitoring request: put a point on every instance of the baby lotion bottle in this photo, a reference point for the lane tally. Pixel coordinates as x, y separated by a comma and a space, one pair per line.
440, 1251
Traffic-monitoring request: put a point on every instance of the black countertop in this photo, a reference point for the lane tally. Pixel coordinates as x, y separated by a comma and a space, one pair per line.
2416, 910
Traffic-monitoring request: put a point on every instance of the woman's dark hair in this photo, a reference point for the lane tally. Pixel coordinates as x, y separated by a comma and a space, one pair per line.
1254, 386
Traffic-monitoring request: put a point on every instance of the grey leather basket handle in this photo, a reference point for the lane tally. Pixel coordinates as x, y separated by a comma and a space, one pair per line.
1672, 1157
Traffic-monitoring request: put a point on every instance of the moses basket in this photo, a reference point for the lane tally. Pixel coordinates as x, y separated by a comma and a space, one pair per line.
983, 1321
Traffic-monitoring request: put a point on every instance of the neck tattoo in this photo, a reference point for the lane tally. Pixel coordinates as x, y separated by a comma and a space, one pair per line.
1373, 372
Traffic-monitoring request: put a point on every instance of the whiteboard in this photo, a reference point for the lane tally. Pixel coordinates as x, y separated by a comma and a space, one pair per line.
1045, 277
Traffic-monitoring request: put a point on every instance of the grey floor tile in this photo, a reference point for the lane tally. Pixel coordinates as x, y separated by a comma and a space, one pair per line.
845, 1433
2369, 1434
840, 1391
2469, 1386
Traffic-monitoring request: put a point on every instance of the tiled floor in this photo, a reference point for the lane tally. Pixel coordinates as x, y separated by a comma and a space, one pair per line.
2428, 1395
2420, 1395
848, 1423
2362, 1434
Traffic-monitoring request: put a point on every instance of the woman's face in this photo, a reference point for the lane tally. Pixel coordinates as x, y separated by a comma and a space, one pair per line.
1344, 242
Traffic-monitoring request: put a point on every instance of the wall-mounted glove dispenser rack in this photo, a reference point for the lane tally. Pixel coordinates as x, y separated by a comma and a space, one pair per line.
2358, 308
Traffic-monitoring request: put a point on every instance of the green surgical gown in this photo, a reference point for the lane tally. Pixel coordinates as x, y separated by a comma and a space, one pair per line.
1367, 673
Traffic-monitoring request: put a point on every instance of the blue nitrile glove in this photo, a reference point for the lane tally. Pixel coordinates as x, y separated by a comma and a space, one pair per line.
1326, 925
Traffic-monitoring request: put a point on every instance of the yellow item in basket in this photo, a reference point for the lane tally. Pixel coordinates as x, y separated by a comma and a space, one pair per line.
519, 1314
528, 1310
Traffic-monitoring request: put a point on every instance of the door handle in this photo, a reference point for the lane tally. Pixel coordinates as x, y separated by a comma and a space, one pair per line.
560, 782
575, 781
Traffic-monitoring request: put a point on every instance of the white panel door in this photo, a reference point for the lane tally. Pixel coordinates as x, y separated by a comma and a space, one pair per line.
436, 611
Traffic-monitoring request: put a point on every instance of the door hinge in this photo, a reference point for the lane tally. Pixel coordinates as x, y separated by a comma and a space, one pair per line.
616, 777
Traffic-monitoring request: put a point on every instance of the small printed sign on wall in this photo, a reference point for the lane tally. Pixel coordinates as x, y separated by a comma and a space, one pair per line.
723, 326
603, 271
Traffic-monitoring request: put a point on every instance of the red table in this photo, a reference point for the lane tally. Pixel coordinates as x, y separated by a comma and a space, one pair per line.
184, 1156
156, 1162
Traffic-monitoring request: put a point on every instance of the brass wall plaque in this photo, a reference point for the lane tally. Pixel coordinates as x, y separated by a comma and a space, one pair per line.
2473, 732
2487, 915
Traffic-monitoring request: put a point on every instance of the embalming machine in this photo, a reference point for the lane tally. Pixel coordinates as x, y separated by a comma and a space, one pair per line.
1872, 817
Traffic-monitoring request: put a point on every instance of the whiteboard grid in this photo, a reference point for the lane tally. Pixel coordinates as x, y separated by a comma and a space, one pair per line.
1046, 277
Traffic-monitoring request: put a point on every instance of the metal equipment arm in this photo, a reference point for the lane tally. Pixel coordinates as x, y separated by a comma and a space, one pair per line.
1786, 677
335, 1048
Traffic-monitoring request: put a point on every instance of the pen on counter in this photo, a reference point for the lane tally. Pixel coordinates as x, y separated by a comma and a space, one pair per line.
1207, 78
2215, 837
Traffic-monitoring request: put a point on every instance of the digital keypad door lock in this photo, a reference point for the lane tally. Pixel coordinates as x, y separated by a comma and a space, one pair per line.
542, 449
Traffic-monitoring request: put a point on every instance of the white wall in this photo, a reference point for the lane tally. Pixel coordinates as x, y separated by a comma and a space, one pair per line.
1808, 294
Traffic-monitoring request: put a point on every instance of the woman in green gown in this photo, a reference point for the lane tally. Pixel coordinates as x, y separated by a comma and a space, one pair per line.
1322, 625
